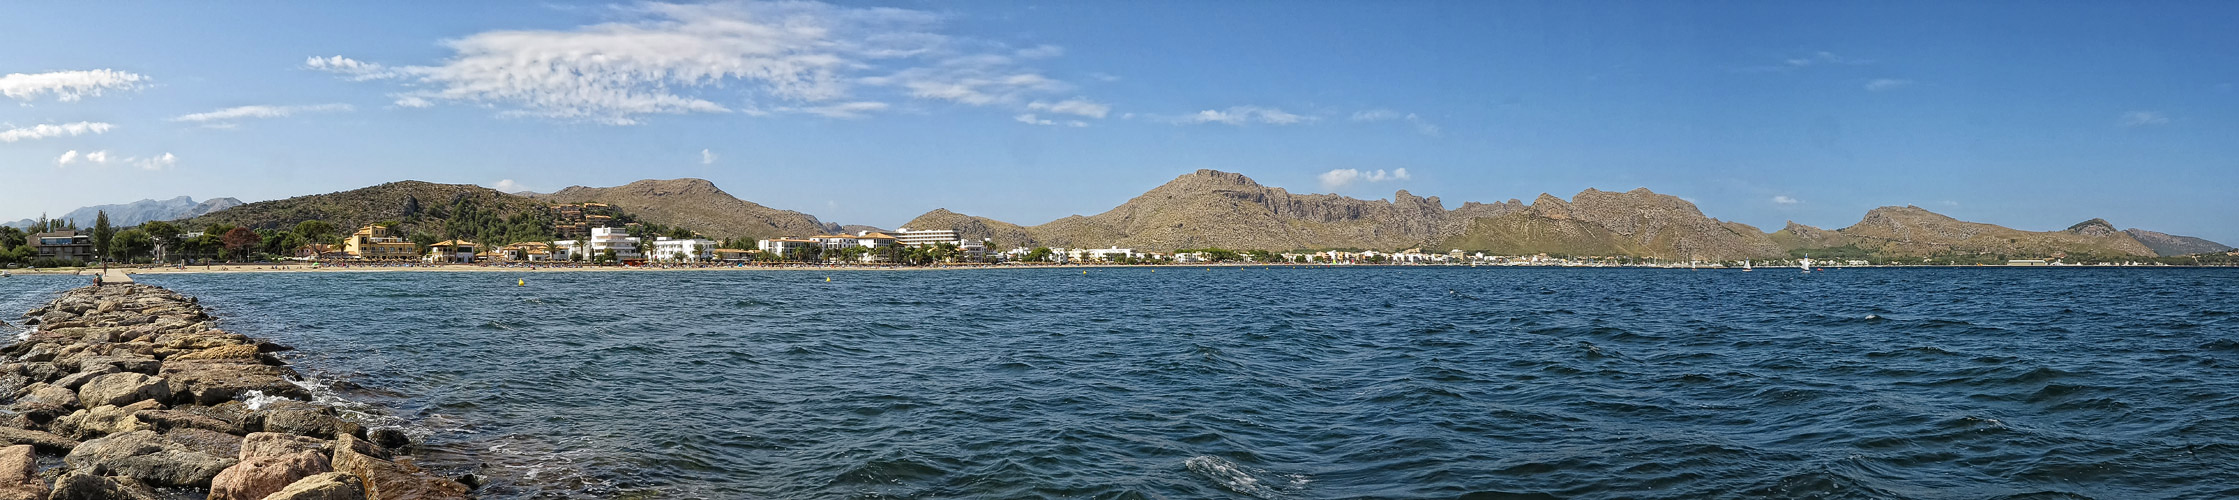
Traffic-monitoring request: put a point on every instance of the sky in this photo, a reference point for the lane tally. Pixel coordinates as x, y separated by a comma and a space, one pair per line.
2033, 115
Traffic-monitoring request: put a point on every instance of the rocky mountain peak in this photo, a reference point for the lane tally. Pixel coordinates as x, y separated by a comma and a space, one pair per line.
2094, 227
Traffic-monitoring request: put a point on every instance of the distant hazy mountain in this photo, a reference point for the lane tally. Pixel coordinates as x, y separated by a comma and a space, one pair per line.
698, 205
2170, 245
135, 213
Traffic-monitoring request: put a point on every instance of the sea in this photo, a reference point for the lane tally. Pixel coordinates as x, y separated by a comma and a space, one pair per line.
1275, 382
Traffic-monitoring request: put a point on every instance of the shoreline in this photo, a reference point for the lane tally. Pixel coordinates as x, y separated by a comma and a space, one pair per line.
283, 268
140, 395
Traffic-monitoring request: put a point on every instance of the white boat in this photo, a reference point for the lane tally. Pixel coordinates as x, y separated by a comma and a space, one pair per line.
1745, 266
1805, 263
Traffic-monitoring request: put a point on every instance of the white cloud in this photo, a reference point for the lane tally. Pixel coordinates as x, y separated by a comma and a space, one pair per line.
166, 160
1375, 115
2143, 118
1082, 107
707, 157
661, 58
1340, 178
156, 163
42, 131
1881, 84
1785, 200
227, 116
841, 110
1032, 119
67, 85
1421, 126
1108, 77
1823, 58
507, 186
1240, 115
357, 70
1040, 52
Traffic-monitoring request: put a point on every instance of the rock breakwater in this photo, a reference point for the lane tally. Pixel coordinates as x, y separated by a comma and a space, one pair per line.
142, 397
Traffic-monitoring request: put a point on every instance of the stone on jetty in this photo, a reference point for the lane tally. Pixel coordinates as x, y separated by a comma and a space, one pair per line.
19, 480
137, 390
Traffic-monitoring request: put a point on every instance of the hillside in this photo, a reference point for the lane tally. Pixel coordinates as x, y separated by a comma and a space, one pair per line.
415, 205
138, 212
695, 204
1911, 231
1220, 209
2170, 245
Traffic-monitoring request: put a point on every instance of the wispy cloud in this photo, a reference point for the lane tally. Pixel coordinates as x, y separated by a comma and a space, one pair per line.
1032, 119
1240, 115
1082, 107
1340, 178
1421, 125
707, 157
1822, 58
1881, 84
42, 131
159, 162
507, 186
726, 57
1785, 200
228, 116
154, 163
2142, 118
67, 86
841, 110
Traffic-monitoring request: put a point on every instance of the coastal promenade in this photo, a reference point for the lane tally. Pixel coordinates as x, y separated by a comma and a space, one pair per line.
141, 396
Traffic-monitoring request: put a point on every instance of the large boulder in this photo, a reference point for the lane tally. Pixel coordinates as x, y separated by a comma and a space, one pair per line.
85, 486
19, 479
47, 442
172, 467
187, 419
386, 480
211, 382
235, 352
119, 389
328, 486
74, 380
103, 420
304, 419
262, 444
257, 477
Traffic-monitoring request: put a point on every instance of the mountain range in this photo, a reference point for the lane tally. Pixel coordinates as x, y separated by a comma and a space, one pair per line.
135, 213
1210, 208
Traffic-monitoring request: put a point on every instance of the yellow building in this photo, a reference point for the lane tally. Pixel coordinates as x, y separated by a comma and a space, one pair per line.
374, 243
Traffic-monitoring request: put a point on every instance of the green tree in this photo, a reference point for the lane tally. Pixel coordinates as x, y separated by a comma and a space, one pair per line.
317, 231
102, 233
1038, 254
165, 235
131, 244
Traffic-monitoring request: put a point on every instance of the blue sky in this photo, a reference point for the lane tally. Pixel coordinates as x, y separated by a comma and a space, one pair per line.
2034, 115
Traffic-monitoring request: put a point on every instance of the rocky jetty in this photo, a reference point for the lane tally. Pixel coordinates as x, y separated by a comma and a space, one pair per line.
141, 396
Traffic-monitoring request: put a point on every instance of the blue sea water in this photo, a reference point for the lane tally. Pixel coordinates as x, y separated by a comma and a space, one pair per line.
1279, 382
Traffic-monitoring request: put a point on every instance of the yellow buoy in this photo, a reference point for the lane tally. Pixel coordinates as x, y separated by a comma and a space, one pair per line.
520, 282
827, 279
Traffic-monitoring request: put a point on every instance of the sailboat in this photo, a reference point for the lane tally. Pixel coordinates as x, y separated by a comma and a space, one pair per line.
1745, 266
1806, 263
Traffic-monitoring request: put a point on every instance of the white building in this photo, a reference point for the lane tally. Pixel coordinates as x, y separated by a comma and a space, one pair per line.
912, 238
781, 246
625, 247
693, 249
